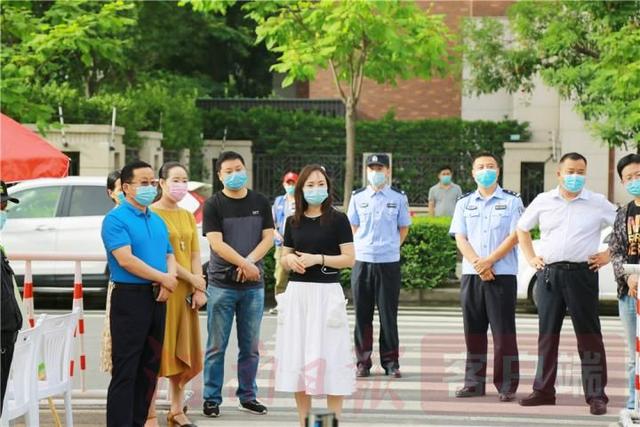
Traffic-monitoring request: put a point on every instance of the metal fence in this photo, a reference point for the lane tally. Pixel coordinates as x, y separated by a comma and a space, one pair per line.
325, 107
413, 174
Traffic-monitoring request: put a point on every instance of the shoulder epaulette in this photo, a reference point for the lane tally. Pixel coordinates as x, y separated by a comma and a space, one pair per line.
359, 190
511, 193
397, 190
465, 195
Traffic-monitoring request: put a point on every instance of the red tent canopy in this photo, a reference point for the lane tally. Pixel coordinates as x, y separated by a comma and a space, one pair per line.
26, 155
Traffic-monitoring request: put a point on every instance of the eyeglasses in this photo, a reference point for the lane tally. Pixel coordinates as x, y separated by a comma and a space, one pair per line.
153, 183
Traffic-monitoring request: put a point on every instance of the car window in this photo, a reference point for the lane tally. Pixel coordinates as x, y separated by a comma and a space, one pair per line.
41, 202
89, 200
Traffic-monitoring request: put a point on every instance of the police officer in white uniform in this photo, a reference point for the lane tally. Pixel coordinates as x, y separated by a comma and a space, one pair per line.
379, 217
567, 259
484, 226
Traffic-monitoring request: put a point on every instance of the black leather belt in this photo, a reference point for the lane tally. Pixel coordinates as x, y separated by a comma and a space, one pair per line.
565, 265
132, 286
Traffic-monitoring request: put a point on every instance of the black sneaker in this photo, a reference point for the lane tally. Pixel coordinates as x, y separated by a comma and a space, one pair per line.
211, 409
253, 406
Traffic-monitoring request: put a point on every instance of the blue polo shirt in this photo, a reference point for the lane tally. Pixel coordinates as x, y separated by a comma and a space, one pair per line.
379, 215
487, 222
145, 232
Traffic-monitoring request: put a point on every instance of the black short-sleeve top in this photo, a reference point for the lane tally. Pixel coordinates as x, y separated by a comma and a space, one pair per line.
318, 236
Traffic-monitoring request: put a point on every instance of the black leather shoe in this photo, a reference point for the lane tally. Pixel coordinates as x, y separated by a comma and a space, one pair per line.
507, 397
363, 372
393, 372
538, 399
598, 407
469, 392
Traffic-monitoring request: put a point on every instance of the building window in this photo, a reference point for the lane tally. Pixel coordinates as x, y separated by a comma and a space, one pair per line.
531, 180
74, 163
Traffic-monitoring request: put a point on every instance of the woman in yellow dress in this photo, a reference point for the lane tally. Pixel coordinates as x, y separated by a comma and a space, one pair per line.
181, 358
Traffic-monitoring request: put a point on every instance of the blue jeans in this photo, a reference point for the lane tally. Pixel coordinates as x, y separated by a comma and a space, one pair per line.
248, 306
627, 310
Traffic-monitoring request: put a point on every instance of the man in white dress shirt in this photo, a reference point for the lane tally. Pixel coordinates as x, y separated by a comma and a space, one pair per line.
570, 219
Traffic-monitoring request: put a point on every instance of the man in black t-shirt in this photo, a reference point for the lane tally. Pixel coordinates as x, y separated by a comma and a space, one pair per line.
624, 248
238, 225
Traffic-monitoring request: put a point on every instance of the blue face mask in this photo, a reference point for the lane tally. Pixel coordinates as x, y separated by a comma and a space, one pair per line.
633, 187
3, 219
485, 178
290, 189
235, 180
316, 196
376, 178
445, 179
121, 198
146, 195
573, 183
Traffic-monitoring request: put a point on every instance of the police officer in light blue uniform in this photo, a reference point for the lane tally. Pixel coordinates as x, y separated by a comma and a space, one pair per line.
484, 226
379, 217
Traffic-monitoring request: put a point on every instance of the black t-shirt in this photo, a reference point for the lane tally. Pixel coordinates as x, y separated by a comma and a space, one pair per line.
316, 236
241, 222
633, 233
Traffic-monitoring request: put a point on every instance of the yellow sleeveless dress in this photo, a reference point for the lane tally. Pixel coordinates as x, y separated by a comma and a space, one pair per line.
182, 348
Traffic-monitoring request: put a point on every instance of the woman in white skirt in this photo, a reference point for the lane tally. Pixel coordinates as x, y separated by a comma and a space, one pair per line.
313, 345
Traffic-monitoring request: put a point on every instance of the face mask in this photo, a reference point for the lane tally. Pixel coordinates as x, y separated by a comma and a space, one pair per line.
633, 187
485, 178
316, 196
445, 179
573, 183
376, 178
3, 219
146, 195
290, 189
235, 180
120, 198
177, 190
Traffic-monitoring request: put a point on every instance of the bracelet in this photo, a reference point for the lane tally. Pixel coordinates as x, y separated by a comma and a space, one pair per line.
251, 260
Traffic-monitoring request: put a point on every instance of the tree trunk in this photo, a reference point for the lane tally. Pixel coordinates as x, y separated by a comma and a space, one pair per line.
350, 124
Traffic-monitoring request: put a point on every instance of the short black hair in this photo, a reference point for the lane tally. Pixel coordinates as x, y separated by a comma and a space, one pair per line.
626, 161
111, 180
166, 168
126, 174
573, 156
227, 155
445, 168
486, 154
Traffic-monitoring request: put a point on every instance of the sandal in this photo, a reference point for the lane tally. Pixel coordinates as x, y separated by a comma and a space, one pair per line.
171, 419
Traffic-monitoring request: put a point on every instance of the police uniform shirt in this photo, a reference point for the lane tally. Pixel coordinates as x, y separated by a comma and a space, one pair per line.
378, 216
486, 223
569, 229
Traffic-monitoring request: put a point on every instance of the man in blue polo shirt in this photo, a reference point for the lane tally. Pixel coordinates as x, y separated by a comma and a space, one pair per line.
143, 269
380, 219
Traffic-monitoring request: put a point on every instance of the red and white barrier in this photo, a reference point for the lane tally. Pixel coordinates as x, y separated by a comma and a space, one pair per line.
78, 304
27, 294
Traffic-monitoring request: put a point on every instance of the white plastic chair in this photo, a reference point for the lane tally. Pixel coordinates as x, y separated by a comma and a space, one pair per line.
57, 349
21, 396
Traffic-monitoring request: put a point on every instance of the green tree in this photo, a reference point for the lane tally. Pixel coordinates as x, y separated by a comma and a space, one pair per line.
77, 44
588, 50
356, 39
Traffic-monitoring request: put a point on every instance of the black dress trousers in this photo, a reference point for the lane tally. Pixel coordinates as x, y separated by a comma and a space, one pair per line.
376, 284
491, 304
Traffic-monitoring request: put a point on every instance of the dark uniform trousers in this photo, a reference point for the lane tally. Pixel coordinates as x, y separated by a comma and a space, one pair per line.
492, 304
376, 284
571, 286
137, 334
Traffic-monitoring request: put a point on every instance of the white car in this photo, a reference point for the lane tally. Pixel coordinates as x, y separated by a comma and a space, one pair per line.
527, 274
65, 216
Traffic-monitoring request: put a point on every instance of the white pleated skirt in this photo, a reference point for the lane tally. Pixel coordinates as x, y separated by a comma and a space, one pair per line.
313, 343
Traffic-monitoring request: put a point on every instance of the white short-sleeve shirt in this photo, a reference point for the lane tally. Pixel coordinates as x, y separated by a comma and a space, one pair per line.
569, 229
